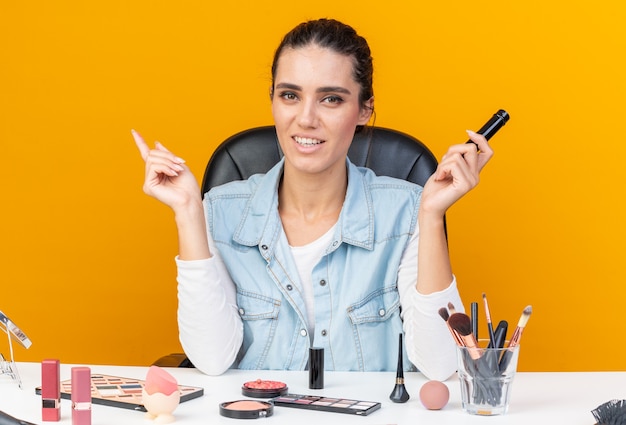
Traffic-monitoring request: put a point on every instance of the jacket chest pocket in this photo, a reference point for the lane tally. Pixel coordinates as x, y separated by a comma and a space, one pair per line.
259, 314
253, 306
376, 322
377, 307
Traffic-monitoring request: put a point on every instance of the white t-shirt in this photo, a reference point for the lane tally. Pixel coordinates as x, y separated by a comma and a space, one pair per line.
306, 257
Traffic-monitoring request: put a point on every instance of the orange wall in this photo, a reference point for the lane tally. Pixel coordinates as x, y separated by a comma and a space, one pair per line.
87, 260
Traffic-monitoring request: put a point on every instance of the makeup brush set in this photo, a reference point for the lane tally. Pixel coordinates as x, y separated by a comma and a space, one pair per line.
487, 366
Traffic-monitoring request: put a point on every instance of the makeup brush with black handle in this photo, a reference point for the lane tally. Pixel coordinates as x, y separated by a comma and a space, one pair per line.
500, 334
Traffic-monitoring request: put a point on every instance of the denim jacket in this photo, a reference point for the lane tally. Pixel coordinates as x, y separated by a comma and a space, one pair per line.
357, 305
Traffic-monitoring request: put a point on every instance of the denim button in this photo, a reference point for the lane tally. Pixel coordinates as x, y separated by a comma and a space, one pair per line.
264, 247
303, 332
241, 311
322, 282
289, 287
381, 312
324, 332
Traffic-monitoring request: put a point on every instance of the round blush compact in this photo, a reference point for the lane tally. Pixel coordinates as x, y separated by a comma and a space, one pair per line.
264, 389
246, 409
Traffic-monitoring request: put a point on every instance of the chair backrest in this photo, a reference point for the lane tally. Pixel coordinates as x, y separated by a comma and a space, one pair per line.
387, 152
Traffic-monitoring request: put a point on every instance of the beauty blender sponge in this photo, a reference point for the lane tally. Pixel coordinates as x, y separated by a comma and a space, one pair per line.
434, 395
160, 381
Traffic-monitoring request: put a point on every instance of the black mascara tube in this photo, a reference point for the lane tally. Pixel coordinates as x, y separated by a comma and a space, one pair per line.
493, 125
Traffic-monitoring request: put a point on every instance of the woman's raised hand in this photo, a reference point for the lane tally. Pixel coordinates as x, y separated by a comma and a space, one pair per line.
167, 177
457, 173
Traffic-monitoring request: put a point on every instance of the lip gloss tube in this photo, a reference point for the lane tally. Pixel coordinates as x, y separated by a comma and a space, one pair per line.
81, 396
50, 390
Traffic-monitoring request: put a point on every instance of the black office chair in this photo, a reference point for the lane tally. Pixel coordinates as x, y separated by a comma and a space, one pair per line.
386, 152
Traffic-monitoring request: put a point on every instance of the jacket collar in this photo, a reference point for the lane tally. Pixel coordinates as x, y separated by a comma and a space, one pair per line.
261, 223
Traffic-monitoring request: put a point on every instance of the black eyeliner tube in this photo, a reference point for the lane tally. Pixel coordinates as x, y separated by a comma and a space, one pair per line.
493, 125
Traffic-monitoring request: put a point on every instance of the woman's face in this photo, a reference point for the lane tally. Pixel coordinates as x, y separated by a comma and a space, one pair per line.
316, 108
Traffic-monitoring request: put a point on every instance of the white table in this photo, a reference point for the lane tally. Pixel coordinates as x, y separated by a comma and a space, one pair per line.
555, 398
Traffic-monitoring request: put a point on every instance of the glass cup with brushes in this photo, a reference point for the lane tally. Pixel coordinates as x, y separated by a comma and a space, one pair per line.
486, 367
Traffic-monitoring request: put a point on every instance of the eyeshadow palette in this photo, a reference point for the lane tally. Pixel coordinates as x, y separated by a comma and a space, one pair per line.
121, 392
327, 404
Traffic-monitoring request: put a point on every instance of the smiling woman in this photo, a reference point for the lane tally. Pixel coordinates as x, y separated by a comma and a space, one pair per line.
316, 102
316, 252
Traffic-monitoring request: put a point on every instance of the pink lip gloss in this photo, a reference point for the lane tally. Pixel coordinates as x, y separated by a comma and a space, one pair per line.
81, 396
50, 390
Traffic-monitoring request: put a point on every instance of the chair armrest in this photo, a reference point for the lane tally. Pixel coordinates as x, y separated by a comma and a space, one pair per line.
173, 360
